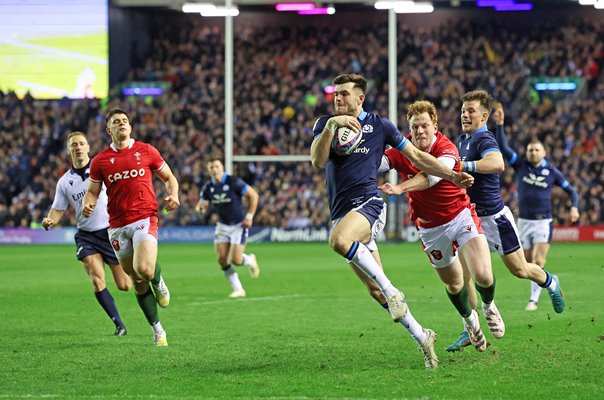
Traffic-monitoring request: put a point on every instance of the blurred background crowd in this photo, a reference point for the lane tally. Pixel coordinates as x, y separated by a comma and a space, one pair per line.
280, 77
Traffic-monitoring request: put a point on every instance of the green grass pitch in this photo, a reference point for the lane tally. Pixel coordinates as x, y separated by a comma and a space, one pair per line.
307, 330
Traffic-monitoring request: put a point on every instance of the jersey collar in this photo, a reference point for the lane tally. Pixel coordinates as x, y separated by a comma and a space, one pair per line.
481, 129
222, 180
129, 145
362, 115
82, 172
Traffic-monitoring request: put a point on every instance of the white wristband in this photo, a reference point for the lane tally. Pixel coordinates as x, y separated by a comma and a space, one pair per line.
249, 216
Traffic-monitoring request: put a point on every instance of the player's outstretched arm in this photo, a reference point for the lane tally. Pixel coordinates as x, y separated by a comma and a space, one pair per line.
53, 217
171, 200
415, 184
432, 166
92, 195
491, 163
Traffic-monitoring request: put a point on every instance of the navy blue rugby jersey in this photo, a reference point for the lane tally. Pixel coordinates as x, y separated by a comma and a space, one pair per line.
485, 191
535, 183
351, 180
226, 197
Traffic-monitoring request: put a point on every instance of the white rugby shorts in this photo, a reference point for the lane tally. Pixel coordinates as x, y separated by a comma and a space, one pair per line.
442, 242
535, 231
125, 238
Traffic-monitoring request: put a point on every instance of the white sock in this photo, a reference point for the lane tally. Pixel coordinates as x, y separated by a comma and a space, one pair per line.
363, 259
413, 327
553, 285
471, 321
535, 291
247, 260
157, 328
486, 306
233, 278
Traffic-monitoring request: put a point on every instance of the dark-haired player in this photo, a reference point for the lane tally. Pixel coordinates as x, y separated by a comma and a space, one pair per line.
126, 168
358, 211
225, 193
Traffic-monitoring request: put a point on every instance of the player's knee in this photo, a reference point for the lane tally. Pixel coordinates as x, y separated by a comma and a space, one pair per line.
124, 286
339, 244
237, 260
482, 278
146, 271
454, 287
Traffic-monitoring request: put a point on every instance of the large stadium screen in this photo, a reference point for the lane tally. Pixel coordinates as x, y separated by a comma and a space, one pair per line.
54, 48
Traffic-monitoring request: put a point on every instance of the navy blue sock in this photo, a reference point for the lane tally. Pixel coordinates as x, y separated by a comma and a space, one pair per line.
106, 301
548, 280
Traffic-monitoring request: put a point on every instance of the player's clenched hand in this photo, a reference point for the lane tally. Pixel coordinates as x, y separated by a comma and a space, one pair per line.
88, 210
389, 188
47, 223
463, 180
200, 209
172, 202
347, 120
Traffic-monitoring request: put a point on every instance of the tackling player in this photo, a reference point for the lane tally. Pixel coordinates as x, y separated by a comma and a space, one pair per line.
535, 177
358, 212
446, 222
93, 248
225, 192
126, 168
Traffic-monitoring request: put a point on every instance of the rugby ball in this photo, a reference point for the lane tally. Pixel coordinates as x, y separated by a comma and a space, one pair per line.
346, 140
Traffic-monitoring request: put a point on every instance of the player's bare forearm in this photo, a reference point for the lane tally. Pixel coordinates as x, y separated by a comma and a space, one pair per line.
91, 197
252, 197
490, 164
172, 201
53, 217
319, 150
417, 183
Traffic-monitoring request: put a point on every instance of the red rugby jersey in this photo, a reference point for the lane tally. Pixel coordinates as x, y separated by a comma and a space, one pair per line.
128, 175
443, 201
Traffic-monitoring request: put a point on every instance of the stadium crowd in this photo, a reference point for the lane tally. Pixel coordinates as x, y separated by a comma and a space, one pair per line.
280, 76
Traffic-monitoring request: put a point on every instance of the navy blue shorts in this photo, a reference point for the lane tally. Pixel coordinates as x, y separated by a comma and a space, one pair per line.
97, 242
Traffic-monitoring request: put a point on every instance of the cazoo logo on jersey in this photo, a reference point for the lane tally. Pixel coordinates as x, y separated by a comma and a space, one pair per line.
126, 174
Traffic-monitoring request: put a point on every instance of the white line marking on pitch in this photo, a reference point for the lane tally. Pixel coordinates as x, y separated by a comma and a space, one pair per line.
235, 301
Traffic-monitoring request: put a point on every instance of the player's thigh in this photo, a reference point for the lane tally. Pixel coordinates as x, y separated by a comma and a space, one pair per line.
222, 250
145, 257
353, 227
501, 232
236, 253
539, 254
477, 259
451, 276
